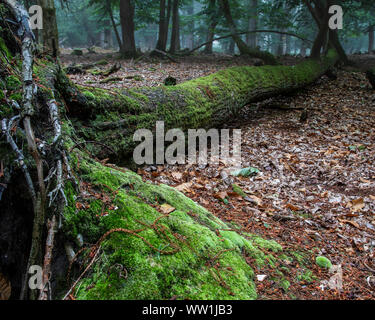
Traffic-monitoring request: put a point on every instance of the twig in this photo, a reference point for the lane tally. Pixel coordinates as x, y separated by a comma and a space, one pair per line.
21, 159
166, 55
245, 32
47, 258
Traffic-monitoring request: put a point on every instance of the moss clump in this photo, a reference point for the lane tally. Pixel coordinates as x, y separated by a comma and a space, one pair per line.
306, 276
88, 94
4, 50
238, 190
204, 266
13, 83
323, 262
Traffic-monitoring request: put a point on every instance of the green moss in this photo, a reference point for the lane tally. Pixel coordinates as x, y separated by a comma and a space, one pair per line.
188, 273
88, 94
323, 262
13, 83
306, 276
238, 190
17, 96
4, 50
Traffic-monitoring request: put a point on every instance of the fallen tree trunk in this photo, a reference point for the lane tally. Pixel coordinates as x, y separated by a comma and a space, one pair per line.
112, 117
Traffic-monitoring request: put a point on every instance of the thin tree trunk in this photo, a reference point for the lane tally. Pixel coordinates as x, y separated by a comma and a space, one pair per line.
113, 22
251, 38
127, 27
334, 41
163, 27
50, 35
190, 37
175, 38
212, 14
371, 39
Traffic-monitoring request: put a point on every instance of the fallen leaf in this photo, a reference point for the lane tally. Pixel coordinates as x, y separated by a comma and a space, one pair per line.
255, 199
221, 195
5, 288
356, 205
184, 187
177, 175
166, 208
261, 277
292, 207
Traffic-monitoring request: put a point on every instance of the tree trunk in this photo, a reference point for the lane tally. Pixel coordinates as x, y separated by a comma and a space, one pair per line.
50, 35
190, 36
203, 102
303, 49
163, 27
128, 49
334, 41
175, 38
251, 38
371, 39
213, 20
113, 22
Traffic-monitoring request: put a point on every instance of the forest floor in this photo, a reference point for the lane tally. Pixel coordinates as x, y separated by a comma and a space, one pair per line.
315, 190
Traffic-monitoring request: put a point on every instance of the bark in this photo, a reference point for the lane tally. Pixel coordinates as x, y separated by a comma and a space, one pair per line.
202, 102
325, 37
127, 11
163, 27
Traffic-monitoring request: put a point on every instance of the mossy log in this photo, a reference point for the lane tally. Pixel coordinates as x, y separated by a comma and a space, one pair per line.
371, 76
112, 117
141, 252
186, 254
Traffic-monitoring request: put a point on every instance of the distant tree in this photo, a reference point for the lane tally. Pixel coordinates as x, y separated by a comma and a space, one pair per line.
127, 10
251, 38
164, 18
49, 33
175, 37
